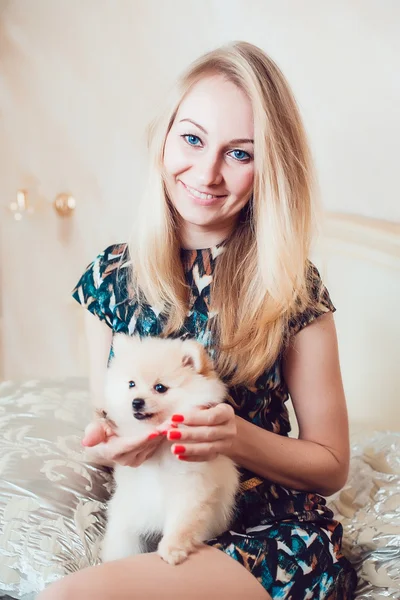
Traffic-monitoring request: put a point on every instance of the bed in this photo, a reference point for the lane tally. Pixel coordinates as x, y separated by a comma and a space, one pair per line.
52, 500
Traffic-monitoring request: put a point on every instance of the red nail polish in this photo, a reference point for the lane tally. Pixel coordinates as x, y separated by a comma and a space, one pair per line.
174, 435
164, 432
179, 449
183, 457
177, 418
153, 436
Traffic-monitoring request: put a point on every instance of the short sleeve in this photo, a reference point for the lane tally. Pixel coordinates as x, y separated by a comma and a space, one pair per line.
96, 289
320, 302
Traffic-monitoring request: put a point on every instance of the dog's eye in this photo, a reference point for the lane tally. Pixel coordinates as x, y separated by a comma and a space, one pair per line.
131, 384
160, 388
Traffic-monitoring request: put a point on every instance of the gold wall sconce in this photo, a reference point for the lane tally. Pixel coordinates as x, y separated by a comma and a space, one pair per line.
64, 205
20, 207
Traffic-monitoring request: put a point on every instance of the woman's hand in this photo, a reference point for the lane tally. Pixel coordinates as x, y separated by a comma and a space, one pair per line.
205, 433
110, 448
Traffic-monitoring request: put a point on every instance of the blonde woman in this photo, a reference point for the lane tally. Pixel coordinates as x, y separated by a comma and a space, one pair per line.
220, 253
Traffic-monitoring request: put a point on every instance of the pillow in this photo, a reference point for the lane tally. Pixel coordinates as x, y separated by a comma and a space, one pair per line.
369, 508
52, 502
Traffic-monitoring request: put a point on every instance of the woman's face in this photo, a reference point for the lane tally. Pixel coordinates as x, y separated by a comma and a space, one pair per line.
209, 158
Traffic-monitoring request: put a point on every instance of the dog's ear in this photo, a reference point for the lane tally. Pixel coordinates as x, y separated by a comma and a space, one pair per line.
196, 357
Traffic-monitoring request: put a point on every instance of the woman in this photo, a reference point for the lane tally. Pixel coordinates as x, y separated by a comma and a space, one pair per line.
220, 253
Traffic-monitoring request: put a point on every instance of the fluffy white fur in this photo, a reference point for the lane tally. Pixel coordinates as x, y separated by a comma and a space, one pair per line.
185, 503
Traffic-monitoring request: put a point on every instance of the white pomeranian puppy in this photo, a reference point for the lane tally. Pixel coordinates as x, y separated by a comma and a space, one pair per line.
183, 503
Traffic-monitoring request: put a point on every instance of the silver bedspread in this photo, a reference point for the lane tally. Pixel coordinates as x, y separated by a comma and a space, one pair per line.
52, 500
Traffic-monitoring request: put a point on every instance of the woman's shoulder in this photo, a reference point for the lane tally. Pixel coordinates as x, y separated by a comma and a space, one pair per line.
319, 301
109, 266
111, 259
318, 292
104, 282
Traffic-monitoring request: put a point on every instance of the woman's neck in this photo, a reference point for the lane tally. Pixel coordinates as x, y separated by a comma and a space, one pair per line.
194, 237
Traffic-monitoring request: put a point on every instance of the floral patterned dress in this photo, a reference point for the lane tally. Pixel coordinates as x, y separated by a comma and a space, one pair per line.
287, 539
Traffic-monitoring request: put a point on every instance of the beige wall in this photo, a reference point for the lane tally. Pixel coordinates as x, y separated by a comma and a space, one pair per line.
80, 79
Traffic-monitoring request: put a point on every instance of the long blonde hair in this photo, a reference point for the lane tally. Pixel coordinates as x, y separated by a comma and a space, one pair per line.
260, 280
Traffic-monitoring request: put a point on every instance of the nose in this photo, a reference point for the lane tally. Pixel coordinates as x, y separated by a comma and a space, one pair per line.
209, 170
137, 403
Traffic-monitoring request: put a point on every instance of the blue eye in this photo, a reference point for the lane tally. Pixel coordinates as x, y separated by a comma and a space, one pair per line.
160, 388
240, 155
131, 384
192, 140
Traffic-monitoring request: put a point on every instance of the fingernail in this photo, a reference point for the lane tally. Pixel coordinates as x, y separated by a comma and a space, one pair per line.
83, 443
153, 436
183, 457
179, 449
164, 432
174, 435
177, 418
174, 425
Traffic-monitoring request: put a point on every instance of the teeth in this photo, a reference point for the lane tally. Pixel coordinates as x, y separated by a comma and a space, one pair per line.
200, 194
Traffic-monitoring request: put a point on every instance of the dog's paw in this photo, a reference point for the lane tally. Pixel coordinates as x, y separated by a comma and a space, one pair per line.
173, 552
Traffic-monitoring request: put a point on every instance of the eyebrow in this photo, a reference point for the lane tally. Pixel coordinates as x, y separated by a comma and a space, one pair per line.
236, 141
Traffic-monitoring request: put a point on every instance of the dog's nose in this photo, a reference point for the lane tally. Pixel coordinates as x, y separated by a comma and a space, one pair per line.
138, 403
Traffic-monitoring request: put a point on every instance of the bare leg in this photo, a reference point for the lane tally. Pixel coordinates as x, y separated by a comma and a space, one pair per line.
209, 573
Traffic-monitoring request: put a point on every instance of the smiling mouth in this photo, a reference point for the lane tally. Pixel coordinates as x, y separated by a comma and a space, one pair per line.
206, 198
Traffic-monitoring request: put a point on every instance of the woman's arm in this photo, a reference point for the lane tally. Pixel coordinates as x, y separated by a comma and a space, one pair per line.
98, 339
318, 461
98, 343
